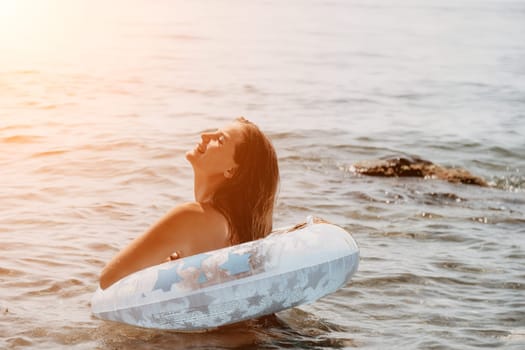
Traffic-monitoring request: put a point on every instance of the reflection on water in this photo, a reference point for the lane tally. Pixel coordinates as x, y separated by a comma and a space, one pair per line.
100, 101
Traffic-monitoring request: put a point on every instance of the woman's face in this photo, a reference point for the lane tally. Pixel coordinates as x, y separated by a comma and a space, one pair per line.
214, 155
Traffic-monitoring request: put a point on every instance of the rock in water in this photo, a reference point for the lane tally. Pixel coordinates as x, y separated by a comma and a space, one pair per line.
416, 167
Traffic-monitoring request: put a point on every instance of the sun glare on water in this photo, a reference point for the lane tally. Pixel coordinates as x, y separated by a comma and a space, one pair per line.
26, 24
44, 30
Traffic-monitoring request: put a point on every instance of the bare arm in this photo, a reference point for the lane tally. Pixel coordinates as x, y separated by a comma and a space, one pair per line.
188, 229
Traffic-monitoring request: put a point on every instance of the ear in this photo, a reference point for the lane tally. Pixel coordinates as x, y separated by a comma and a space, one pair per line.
230, 172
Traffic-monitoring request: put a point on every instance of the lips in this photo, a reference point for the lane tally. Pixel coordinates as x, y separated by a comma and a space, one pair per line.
201, 148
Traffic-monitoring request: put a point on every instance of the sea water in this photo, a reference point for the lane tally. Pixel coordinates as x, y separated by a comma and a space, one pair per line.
99, 101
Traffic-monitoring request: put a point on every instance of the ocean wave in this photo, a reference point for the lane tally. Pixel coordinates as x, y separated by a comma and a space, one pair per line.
511, 183
22, 139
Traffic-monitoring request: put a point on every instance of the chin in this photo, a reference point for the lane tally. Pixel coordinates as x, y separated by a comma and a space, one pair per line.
190, 156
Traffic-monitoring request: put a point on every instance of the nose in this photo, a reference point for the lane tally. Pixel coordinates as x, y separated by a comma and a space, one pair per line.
205, 139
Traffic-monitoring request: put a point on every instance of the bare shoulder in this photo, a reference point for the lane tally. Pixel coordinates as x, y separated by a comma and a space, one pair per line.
197, 214
203, 227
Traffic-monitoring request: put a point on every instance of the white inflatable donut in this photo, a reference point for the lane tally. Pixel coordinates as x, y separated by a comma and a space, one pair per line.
283, 270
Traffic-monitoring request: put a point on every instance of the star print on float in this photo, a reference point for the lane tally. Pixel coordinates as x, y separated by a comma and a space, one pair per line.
167, 278
237, 263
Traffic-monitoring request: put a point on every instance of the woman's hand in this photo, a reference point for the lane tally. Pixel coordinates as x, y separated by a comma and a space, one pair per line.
173, 256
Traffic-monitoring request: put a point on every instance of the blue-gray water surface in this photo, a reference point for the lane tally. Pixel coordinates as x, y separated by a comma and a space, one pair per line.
99, 101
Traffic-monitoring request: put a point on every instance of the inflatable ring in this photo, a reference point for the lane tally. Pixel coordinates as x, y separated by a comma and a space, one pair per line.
289, 267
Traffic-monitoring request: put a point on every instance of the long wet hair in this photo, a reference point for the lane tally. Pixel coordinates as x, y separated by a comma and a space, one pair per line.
247, 199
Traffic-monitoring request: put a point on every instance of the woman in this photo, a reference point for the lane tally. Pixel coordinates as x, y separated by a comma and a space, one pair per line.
235, 183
